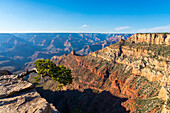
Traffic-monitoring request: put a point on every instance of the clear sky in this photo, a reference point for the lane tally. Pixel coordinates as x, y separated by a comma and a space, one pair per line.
126, 16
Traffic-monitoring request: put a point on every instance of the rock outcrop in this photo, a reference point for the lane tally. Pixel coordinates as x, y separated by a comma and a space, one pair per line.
151, 38
137, 71
19, 96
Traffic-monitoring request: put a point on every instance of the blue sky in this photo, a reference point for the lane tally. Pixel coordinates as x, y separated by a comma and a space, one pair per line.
121, 16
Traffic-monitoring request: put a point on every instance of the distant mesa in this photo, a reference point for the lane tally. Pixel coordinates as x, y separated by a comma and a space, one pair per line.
151, 38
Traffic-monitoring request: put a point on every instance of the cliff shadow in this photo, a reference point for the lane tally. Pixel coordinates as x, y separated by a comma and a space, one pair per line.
75, 101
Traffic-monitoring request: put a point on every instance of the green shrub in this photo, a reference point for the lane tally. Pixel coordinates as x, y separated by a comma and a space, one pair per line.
58, 73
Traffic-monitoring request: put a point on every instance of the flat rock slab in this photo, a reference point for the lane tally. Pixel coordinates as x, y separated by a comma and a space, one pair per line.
18, 96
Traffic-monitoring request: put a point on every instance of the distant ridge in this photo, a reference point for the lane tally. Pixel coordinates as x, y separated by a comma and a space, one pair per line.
24, 48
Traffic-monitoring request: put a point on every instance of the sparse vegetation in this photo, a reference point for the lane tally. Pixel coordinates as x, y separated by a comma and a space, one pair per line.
168, 103
146, 105
58, 73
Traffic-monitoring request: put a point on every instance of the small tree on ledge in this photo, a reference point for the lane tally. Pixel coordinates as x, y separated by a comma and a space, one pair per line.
58, 73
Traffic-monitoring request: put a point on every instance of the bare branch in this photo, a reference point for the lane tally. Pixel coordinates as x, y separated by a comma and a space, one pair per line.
34, 70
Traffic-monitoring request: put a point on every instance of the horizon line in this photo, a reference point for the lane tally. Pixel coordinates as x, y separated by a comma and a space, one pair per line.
60, 32
76, 32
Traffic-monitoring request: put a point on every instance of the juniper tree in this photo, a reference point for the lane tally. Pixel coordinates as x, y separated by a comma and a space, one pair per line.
58, 73
45, 68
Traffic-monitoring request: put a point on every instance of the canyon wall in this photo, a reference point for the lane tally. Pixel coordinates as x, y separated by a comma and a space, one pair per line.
136, 71
151, 38
124, 77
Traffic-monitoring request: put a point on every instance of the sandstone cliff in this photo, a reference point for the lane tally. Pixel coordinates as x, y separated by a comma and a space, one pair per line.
18, 96
151, 38
137, 71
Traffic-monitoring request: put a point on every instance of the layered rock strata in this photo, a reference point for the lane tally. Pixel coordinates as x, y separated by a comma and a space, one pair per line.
18, 96
137, 71
151, 38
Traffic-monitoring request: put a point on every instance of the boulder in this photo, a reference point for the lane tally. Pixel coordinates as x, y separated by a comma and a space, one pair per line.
19, 96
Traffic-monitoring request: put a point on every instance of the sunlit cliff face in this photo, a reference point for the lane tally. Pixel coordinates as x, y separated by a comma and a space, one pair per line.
127, 69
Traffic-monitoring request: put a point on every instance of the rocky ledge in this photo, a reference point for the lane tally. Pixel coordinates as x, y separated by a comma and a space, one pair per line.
19, 96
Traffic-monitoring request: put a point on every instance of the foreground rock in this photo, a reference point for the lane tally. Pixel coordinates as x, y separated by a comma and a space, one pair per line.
18, 96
